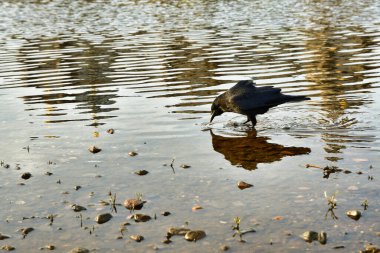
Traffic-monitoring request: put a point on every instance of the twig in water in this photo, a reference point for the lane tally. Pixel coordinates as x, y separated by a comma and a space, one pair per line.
171, 165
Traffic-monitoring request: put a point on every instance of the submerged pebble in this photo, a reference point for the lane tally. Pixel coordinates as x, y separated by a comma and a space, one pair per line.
322, 237
141, 172
370, 249
178, 231
310, 236
132, 153
25, 231
134, 204
79, 250
140, 217
103, 218
196, 207
94, 149
224, 247
111, 131
195, 235
243, 185
49, 247
354, 214
7, 247
3, 237
78, 208
137, 238
26, 175
166, 213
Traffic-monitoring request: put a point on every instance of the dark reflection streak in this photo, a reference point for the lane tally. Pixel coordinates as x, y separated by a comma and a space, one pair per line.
88, 76
251, 150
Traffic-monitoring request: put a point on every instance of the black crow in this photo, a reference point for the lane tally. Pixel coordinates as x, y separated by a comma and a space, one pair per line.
247, 99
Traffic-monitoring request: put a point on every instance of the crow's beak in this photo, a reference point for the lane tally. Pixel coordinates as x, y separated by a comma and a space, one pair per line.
213, 114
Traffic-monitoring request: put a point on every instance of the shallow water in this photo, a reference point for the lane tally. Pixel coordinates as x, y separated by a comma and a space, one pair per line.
150, 70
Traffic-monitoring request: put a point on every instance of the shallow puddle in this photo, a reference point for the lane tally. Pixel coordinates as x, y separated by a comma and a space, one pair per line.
149, 70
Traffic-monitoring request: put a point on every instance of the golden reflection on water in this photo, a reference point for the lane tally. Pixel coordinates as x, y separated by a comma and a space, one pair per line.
189, 53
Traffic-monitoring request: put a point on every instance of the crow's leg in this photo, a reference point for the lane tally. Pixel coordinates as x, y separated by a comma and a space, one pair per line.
252, 118
248, 120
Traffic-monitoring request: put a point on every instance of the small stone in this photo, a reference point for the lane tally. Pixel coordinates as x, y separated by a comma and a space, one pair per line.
132, 153
137, 238
278, 218
119, 237
26, 175
322, 237
310, 236
141, 172
138, 217
178, 231
370, 249
79, 250
3, 237
185, 166
94, 149
103, 218
354, 214
111, 131
167, 241
25, 231
195, 235
166, 213
77, 187
7, 247
47, 173
50, 247
196, 207
134, 204
224, 247
78, 208
243, 185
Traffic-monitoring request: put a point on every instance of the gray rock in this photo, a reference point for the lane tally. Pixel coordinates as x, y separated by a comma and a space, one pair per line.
3, 237
137, 238
103, 218
195, 235
322, 237
354, 214
178, 231
79, 250
78, 208
310, 236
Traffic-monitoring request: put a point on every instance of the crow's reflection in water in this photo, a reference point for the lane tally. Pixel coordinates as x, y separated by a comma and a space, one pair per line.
251, 150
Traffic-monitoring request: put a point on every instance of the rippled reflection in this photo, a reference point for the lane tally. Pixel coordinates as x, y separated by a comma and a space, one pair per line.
184, 54
251, 150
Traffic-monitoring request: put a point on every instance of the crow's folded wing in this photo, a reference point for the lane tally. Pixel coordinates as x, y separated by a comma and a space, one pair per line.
260, 98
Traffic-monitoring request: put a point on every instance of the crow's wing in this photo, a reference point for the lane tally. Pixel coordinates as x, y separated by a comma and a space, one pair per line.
249, 98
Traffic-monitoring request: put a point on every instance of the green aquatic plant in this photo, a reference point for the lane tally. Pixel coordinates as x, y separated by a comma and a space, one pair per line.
112, 201
236, 227
139, 196
331, 200
365, 204
332, 203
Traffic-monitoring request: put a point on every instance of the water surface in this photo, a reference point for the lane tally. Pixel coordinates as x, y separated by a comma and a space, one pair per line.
150, 70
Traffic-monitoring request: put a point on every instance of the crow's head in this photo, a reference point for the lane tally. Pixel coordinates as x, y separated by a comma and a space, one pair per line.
216, 110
